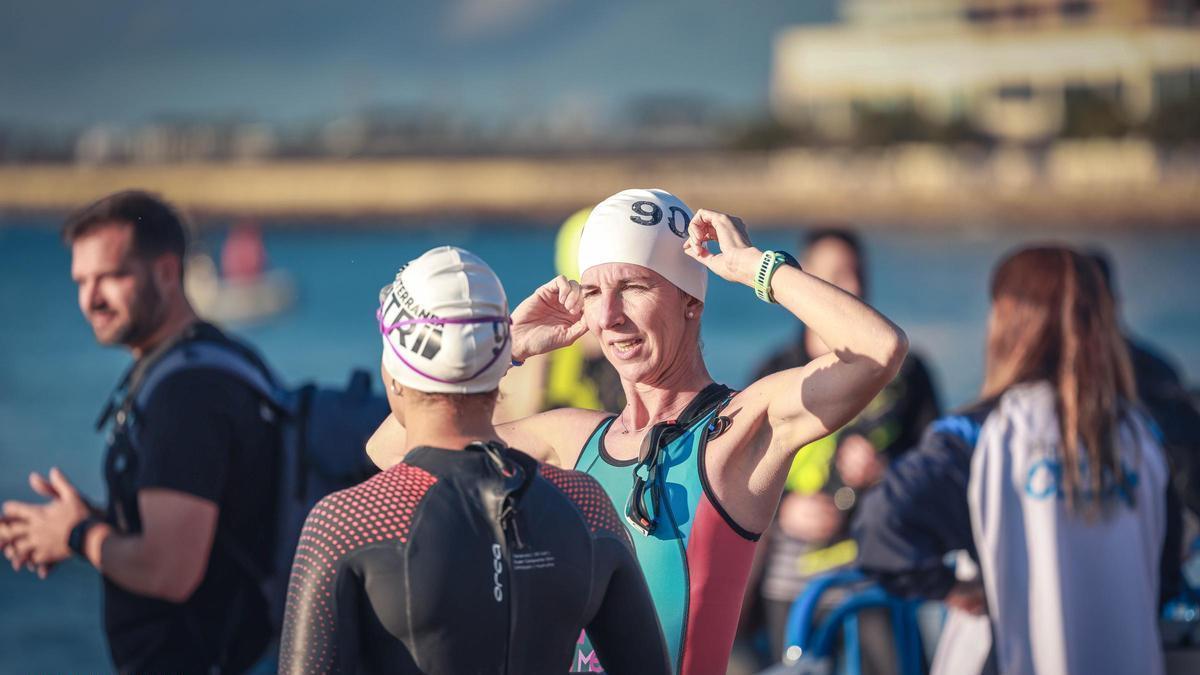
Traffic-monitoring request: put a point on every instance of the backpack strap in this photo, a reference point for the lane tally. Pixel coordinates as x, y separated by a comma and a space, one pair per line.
193, 348
207, 355
120, 397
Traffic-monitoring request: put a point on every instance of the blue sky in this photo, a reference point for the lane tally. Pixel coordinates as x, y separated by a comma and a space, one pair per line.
76, 62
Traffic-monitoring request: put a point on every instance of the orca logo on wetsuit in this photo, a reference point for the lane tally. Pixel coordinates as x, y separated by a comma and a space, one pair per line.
497, 567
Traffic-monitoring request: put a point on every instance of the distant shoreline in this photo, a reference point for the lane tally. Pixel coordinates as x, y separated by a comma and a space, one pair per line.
1108, 185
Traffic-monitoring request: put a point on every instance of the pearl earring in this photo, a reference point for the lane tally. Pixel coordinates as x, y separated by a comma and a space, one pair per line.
691, 315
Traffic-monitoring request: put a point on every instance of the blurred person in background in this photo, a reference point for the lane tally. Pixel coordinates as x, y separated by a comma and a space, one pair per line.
1052, 491
467, 556
696, 468
1165, 395
190, 474
810, 535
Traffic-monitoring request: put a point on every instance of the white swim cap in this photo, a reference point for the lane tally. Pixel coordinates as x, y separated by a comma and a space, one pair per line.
647, 228
445, 324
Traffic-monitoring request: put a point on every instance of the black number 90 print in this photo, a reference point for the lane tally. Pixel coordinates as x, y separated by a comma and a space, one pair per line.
650, 214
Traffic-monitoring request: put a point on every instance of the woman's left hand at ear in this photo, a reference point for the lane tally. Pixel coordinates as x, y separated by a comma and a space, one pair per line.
736, 260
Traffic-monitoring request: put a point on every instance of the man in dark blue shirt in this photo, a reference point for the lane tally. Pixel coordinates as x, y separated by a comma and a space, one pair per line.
190, 471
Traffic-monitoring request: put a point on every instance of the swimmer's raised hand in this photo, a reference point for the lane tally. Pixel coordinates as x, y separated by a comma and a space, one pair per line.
549, 319
736, 260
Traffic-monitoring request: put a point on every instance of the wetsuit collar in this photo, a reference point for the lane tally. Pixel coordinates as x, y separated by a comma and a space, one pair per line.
436, 460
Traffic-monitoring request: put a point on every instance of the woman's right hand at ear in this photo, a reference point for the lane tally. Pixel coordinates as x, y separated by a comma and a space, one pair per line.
549, 319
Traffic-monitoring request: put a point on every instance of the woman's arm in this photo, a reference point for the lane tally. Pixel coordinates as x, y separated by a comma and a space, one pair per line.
866, 349
554, 437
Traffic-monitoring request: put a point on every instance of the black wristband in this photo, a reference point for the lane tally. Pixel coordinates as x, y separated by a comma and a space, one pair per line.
78, 534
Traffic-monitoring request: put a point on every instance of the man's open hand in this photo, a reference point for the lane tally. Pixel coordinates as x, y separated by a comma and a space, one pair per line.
36, 534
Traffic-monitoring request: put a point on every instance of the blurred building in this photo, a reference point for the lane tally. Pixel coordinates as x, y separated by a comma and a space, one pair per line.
393, 130
176, 141
1014, 70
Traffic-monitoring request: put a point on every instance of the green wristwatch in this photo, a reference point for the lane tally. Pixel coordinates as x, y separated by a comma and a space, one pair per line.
771, 261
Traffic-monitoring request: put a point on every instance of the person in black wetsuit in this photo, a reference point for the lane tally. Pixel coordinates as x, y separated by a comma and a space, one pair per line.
467, 556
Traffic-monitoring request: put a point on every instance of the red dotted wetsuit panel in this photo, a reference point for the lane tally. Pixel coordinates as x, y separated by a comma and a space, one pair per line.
591, 499
423, 570
377, 510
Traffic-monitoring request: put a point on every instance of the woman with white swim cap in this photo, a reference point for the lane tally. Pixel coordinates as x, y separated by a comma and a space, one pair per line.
696, 468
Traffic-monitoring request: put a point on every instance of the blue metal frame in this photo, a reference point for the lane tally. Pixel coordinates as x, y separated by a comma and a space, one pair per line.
818, 642
799, 623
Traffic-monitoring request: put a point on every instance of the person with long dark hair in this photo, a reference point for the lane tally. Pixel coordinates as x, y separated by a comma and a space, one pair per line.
1054, 485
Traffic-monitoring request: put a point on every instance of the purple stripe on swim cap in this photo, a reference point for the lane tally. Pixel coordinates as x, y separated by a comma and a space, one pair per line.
386, 330
426, 318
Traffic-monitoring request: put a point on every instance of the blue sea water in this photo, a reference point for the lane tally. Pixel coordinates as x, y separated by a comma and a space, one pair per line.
53, 377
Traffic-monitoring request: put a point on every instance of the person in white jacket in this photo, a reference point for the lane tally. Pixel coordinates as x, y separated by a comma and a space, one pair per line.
1054, 484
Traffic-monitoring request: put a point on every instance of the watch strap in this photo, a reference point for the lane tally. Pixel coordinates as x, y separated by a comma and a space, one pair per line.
78, 536
771, 261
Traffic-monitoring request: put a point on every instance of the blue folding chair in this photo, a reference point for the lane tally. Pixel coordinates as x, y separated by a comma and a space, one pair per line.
810, 647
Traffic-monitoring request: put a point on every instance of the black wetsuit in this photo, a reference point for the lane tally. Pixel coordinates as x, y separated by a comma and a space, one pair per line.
467, 561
